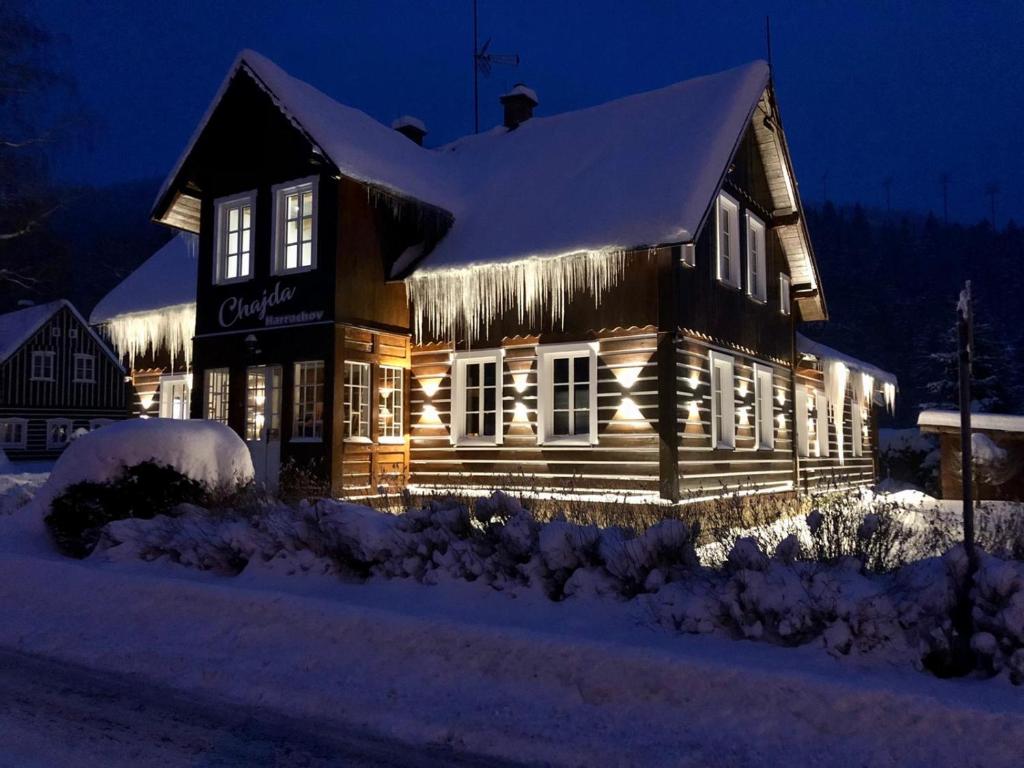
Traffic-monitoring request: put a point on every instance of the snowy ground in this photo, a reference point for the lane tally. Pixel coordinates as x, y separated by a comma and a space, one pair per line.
311, 664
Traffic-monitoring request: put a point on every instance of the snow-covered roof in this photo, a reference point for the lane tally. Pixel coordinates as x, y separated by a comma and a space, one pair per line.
821, 351
997, 422
18, 327
166, 279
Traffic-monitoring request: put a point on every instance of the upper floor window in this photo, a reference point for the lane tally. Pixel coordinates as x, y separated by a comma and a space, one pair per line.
723, 401
568, 393
218, 381
85, 369
728, 240
784, 297
757, 278
295, 226
234, 237
477, 382
43, 365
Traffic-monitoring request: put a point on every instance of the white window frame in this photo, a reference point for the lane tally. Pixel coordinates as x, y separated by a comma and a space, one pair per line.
72, 333
217, 408
55, 331
546, 356
801, 415
222, 207
43, 355
726, 404
764, 408
688, 255
82, 357
363, 388
821, 423
785, 294
22, 427
460, 360
729, 207
391, 377
857, 424
757, 259
168, 381
51, 445
308, 394
281, 192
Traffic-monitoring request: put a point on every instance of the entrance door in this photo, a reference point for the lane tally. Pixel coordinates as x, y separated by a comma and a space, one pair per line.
263, 422
175, 390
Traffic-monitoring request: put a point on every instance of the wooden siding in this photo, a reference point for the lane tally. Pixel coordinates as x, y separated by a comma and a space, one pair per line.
624, 460
705, 470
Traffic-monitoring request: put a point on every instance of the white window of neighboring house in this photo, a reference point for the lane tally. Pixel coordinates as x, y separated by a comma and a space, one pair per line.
857, 425
728, 240
262, 402
390, 416
308, 421
477, 413
723, 401
785, 301
95, 424
43, 365
72, 333
821, 417
234, 237
218, 382
85, 369
802, 406
567, 411
295, 226
357, 401
58, 433
13, 433
174, 396
55, 331
757, 279
763, 408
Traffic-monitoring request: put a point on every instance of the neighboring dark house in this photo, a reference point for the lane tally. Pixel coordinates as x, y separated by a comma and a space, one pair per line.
57, 378
603, 301
149, 319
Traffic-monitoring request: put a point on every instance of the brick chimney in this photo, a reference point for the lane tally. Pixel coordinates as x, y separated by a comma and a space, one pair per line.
410, 127
518, 104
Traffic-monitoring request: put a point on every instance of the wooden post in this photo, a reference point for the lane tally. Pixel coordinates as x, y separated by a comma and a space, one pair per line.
964, 331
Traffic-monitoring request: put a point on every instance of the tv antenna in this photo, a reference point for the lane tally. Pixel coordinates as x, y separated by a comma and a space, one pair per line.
483, 60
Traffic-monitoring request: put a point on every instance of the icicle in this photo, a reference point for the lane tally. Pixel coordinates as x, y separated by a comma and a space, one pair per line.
170, 329
867, 382
836, 375
889, 393
452, 301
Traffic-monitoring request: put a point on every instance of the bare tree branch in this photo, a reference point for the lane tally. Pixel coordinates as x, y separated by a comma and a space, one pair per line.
22, 281
32, 225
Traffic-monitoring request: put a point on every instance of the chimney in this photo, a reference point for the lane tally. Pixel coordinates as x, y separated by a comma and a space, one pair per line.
518, 104
410, 127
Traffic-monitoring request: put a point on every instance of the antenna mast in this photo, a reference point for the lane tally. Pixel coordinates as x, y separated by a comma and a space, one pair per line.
482, 62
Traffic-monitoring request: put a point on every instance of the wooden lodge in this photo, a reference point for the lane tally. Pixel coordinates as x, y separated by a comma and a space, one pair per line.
602, 302
57, 380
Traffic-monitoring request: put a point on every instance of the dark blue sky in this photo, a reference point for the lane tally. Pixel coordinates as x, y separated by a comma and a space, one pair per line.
867, 90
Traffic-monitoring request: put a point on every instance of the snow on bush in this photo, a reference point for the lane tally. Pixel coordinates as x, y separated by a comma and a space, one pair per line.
208, 452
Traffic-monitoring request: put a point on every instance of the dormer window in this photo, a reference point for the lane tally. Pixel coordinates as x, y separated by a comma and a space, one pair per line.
728, 240
784, 296
234, 237
757, 284
295, 226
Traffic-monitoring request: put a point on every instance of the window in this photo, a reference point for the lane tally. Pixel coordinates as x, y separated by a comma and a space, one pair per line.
295, 227
58, 433
55, 331
308, 423
728, 244
803, 404
42, 366
262, 402
13, 433
857, 426
357, 401
723, 401
568, 392
234, 237
218, 382
763, 409
85, 369
689, 255
390, 417
785, 303
821, 414
757, 279
72, 333
477, 413
174, 396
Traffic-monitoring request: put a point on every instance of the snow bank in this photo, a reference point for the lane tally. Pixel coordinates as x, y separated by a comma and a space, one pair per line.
205, 451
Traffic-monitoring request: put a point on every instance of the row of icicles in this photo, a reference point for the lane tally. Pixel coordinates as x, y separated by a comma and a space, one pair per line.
171, 329
836, 374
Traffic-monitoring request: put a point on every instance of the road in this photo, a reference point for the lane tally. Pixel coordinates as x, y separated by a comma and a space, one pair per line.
54, 715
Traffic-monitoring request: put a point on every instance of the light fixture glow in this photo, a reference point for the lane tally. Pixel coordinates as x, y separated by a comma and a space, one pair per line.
780, 397
519, 380
430, 415
146, 400
430, 384
519, 413
693, 381
744, 417
628, 411
627, 375
742, 389
386, 392
693, 412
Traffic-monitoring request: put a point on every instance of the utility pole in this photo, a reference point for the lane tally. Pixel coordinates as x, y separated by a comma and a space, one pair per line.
944, 181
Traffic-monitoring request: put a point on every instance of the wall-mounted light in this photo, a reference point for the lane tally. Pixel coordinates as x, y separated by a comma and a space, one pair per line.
780, 397
146, 400
742, 389
744, 417
520, 380
520, 414
386, 392
430, 384
693, 381
628, 411
628, 374
782, 422
693, 411
430, 415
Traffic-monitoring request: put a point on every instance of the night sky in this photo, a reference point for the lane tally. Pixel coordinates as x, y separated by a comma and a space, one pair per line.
867, 90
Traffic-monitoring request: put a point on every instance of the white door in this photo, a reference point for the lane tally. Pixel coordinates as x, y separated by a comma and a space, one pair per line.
263, 422
175, 390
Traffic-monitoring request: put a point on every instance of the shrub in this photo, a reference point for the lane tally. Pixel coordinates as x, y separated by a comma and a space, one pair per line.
142, 491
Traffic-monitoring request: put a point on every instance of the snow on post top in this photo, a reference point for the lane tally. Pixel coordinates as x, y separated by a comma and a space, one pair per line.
408, 121
519, 89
